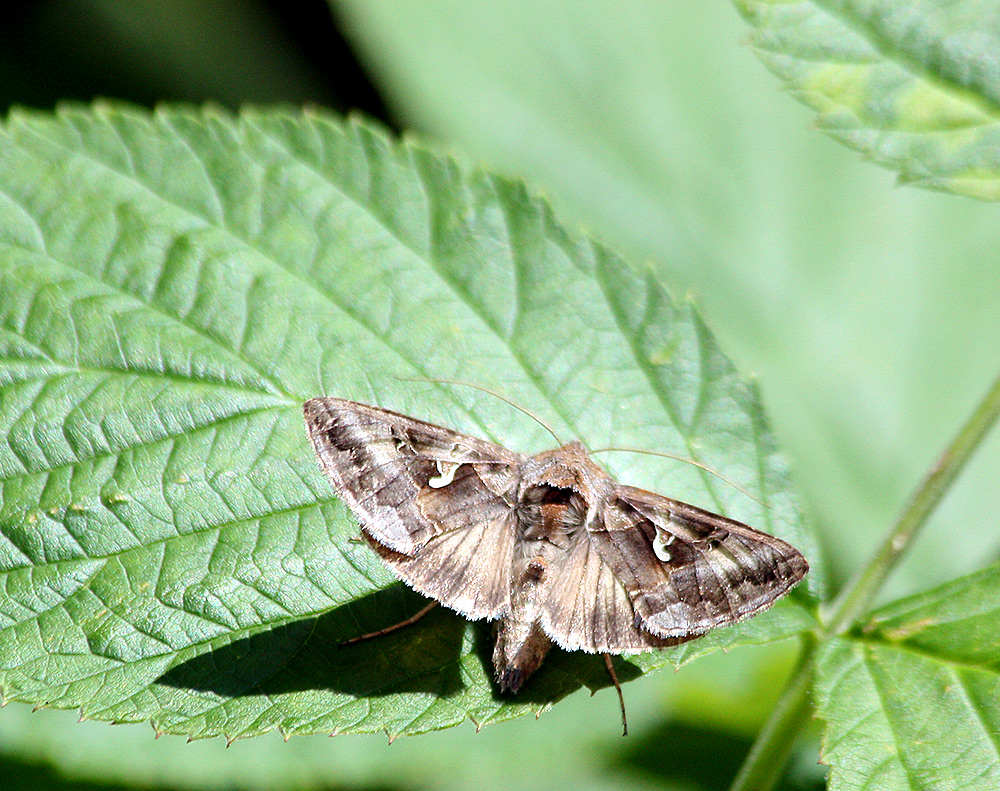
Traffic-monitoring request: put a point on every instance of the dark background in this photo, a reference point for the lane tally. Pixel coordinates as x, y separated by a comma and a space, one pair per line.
230, 52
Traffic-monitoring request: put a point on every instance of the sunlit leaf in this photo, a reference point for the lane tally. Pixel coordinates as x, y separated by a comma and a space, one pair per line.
175, 286
910, 699
914, 85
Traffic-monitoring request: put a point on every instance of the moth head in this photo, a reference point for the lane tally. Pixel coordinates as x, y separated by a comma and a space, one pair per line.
570, 468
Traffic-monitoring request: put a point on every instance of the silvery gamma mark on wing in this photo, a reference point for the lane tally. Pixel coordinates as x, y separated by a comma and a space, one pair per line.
548, 546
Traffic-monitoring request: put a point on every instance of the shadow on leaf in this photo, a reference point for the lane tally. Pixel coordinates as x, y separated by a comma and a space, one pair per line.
424, 657
306, 654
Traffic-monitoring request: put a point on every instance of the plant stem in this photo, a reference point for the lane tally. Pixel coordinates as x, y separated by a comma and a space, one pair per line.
857, 595
766, 761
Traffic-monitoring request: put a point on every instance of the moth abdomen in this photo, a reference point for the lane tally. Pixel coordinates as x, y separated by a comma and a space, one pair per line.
511, 680
521, 645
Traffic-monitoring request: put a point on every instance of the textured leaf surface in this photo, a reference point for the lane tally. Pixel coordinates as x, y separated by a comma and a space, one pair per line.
914, 85
654, 125
910, 700
175, 286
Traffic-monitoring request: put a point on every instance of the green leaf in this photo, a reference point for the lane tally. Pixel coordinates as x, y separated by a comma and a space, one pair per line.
911, 84
909, 700
175, 286
651, 123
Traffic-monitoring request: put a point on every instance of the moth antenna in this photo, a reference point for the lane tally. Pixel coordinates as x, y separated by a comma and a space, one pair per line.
493, 393
618, 687
698, 464
390, 629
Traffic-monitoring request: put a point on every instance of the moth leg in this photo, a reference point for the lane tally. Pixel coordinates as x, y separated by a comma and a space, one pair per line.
618, 687
389, 629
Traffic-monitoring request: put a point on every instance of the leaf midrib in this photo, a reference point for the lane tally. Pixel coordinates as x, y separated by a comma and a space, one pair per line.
908, 64
923, 653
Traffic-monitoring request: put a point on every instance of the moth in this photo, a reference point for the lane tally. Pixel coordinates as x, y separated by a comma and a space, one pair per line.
550, 547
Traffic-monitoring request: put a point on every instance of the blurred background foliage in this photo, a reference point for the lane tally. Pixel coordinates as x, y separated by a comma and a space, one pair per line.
867, 311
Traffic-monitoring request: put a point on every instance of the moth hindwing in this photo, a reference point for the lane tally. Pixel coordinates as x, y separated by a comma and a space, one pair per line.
548, 546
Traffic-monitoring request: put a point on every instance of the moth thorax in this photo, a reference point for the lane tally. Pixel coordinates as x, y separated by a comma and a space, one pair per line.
550, 514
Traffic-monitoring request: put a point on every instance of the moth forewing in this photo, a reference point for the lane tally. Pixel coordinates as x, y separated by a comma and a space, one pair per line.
718, 571
549, 546
381, 461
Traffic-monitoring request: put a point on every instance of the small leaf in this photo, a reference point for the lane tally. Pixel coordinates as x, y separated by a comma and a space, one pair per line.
910, 699
175, 286
914, 85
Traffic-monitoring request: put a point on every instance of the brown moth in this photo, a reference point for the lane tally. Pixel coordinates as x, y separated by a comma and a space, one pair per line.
548, 546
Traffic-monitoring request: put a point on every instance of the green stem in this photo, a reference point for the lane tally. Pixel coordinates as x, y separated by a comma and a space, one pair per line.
858, 594
766, 761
